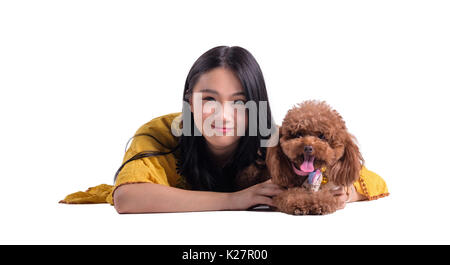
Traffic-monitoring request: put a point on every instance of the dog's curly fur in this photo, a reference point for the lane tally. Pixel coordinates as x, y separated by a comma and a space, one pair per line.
316, 124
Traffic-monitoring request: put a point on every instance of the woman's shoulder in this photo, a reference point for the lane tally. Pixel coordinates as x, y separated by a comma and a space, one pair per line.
156, 133
163, 122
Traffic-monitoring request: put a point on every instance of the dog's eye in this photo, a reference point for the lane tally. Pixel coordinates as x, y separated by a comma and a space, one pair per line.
299, 134
321, 136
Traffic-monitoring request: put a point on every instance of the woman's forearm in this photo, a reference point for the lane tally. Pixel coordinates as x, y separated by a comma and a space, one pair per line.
156, 198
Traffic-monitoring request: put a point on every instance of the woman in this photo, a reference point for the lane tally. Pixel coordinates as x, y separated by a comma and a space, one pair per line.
167, 171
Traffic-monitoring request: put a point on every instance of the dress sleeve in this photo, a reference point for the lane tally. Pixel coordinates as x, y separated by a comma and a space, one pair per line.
146, 169
153, 136
371, 185
143, 170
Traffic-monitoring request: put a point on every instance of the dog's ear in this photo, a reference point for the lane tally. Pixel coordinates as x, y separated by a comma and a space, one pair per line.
346, 170
278, 165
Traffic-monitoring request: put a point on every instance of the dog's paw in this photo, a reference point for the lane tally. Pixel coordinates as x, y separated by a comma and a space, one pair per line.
299, 211
309, 211
301, 202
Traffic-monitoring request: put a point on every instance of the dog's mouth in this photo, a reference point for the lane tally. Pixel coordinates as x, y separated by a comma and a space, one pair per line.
306, 167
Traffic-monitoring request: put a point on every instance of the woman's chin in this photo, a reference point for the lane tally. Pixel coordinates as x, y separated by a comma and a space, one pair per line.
222, 141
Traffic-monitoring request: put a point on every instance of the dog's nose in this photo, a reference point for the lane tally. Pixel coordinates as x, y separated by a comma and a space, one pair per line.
308, 149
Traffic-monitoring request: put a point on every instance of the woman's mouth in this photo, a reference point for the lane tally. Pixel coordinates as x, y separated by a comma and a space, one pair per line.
222, 129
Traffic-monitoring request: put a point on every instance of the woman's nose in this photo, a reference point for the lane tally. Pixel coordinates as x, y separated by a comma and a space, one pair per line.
227, 113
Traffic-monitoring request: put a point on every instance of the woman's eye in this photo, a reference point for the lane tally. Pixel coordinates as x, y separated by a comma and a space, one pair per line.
208, 98
239, 102
321, 136
299, 134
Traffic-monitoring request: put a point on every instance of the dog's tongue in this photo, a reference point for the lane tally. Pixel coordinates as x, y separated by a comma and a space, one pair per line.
308, 164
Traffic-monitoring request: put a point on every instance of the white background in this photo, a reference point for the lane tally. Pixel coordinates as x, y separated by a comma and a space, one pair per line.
78, 78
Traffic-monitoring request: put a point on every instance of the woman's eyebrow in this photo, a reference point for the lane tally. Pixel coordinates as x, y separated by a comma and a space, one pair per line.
209, 91
239, 93
215, 92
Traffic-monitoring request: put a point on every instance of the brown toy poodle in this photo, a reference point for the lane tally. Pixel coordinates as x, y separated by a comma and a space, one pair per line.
315, 153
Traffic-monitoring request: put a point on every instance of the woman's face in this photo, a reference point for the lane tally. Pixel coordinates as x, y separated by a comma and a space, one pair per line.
217, 103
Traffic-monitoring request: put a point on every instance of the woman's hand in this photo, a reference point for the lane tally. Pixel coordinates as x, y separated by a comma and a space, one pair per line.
341, 195
258, 194
346, 195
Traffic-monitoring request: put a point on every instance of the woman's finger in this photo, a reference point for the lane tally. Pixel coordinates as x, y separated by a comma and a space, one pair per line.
341, 197
342, 201
269, 191
338, 191
264, 200
270, 185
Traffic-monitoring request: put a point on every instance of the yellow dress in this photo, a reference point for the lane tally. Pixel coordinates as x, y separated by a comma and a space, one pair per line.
162, 169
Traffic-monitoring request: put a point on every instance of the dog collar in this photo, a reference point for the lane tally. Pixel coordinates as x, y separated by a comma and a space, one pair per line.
318, 177
324, 179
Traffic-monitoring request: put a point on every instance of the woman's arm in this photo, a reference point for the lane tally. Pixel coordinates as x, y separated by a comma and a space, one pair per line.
156, 198
345, 197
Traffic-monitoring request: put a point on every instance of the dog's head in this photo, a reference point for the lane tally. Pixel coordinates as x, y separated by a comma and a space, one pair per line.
313, 136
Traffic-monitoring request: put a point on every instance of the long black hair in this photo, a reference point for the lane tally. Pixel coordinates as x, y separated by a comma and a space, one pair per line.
193, 159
